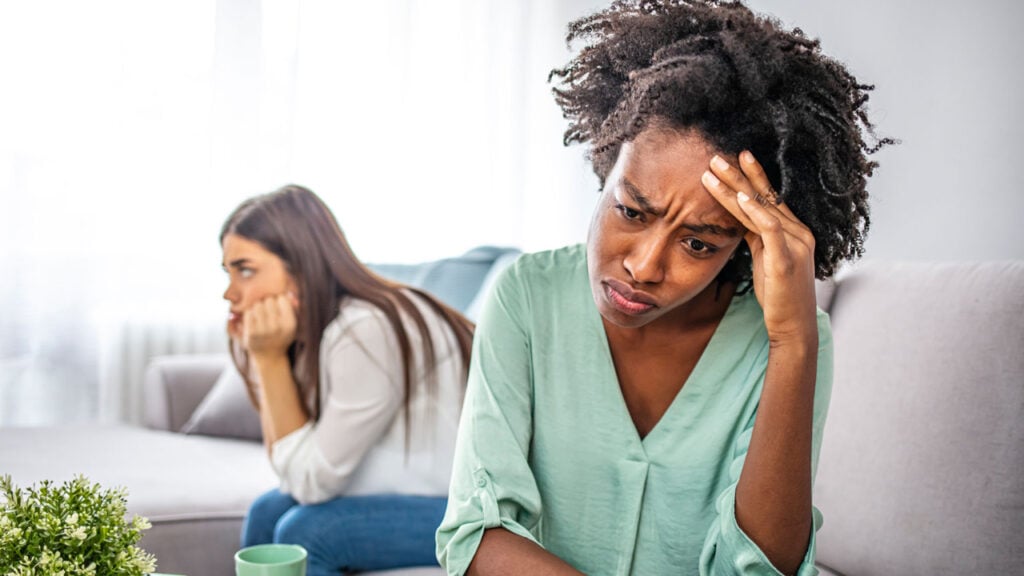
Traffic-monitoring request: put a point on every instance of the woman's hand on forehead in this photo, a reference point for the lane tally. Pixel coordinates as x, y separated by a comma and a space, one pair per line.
781, 246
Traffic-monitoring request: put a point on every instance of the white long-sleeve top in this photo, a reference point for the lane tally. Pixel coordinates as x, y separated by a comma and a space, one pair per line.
358, 446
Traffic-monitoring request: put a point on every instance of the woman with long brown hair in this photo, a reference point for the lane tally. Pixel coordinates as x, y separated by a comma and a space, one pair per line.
358, 382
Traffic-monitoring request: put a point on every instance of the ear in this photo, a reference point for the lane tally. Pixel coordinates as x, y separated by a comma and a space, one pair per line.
292, 287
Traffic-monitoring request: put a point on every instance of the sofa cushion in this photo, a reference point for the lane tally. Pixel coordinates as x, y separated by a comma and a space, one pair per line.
226, 411
175, 385
455, 281
502, 262
922, 465
824, 290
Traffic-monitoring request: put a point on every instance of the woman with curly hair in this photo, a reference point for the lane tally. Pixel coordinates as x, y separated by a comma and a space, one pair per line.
652, 402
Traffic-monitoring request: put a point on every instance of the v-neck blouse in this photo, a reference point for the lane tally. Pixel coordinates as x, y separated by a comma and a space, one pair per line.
547, 448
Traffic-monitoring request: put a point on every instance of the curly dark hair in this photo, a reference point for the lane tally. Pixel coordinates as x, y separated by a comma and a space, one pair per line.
745, 83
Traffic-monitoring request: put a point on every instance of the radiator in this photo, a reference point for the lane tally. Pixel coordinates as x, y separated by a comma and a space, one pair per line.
128, 341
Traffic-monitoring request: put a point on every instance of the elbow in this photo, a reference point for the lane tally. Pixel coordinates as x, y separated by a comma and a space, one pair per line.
304, 495
306, 498
308, 490
787, 558
480, 563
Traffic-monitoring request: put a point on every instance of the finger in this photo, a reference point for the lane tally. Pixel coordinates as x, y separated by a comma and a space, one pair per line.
736, 180
768, 227
761, 222
257, 318
725, 196
759, 188
283, 310
731, 175
789, 252
246, 328
769, 199
739, 179
234, 326
760, 184
758, 179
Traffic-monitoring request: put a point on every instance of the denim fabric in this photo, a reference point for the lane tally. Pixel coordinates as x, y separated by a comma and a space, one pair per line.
350, 533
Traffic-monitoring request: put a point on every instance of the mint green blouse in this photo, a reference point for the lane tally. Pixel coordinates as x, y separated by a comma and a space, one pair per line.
547, 449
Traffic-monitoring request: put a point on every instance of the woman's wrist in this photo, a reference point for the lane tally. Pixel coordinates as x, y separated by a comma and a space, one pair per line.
794, 360
270, 359
797, 341
797, 331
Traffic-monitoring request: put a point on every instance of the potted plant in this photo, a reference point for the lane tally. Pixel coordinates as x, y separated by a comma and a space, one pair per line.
75, 528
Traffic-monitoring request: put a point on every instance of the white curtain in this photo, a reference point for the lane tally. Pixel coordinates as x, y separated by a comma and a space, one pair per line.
129, 129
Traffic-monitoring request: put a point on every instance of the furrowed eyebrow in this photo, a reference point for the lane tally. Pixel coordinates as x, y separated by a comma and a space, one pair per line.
712, 229
646, 206
640, 199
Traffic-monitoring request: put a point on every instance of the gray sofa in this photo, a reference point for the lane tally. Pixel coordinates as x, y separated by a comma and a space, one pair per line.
922, 464
921, 472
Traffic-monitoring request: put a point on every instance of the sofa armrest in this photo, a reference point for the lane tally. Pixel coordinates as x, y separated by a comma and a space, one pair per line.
175, 385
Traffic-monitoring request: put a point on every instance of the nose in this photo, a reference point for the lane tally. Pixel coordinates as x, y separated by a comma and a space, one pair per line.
231, 293
645, 262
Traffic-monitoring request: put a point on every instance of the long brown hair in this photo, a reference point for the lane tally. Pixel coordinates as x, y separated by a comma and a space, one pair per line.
294, 224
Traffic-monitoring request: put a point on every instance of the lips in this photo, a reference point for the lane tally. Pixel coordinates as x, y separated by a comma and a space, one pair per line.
627, 300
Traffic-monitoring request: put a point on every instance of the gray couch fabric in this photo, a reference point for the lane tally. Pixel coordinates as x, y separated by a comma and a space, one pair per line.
226, 410
922, 464
175, 386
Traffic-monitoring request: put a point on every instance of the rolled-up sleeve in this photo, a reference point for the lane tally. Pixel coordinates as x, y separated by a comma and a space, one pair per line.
727, 550
492, 484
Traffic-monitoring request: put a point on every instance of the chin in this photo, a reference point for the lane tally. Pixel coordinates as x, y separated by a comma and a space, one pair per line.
624, 321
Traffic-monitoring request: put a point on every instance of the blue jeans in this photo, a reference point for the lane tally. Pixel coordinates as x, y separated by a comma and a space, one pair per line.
350, 533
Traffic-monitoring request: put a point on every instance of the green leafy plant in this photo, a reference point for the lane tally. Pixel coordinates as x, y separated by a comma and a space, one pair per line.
72, 529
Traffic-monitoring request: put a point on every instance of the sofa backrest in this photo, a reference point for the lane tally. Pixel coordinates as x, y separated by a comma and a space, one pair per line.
922, 464
455, 281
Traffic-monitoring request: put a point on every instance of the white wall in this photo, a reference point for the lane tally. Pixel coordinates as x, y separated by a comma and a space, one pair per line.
948, 84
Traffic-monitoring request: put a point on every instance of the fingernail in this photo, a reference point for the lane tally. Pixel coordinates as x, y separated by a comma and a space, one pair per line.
711, 179
718, 162
742, 197
747, 157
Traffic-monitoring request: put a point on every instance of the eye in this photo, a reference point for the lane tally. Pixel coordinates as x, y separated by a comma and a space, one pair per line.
699, 247
629, 213
246, 272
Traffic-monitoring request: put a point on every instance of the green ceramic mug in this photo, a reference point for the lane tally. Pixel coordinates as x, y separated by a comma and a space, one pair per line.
271, 560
